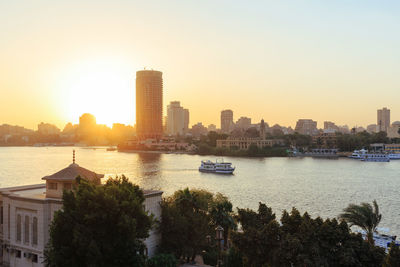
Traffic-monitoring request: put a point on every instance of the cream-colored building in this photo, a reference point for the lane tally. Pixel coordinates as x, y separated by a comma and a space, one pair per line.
244, 143
27, 212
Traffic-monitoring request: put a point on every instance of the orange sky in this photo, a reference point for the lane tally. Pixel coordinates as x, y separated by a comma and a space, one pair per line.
278, 61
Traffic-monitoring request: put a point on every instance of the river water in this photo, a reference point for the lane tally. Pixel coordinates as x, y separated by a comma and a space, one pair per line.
322, 187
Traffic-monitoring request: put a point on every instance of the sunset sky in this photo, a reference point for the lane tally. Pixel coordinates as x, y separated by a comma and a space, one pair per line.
277, 60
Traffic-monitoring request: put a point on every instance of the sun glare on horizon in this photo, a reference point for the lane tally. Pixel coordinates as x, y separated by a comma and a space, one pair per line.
104, 88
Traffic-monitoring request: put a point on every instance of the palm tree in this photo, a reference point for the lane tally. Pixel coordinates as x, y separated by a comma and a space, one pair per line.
364, 216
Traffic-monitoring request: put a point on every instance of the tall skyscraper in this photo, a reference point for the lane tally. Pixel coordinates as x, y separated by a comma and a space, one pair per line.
177, 119
383, 120
149, 104
226, 120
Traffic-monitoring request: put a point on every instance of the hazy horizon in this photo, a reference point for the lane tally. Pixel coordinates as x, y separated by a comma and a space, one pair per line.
278, 60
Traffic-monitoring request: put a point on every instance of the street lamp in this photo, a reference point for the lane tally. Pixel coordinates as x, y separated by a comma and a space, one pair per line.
219, 236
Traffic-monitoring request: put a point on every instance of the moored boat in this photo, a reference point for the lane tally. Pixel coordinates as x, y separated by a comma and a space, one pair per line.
375, 157
219, 167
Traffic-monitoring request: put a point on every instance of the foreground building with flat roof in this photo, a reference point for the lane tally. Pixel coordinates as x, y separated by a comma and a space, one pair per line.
27, 212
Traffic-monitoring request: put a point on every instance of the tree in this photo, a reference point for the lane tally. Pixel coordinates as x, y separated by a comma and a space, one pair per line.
162, 260
99, 225
185, 222
300, 241
221, 214
393, 257
364, 216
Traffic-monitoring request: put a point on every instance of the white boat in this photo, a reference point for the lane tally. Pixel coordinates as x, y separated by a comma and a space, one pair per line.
363, 155
382, 240
375, 157
216, 167
358, 154
394, 155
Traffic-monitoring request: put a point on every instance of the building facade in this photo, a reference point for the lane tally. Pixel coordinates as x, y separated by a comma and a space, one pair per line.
383, 119
27, 212
177, 119
149, 104
226, 121
243, 123
243, 143
306, 127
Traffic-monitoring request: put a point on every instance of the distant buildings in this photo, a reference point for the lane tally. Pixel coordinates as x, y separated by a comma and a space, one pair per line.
226, 121
393, 130
177, 119
383, 119
243, 123
198, 130
149, 104
212, 128
244, 143
372, 128
27, 212
306, 127
328, 125
47, 129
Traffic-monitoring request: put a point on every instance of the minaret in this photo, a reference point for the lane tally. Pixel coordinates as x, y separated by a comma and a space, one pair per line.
262, 130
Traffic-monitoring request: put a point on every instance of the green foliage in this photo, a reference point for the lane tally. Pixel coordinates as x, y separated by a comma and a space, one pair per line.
233, 258
221, 214
364, 216
162, 260
188, 217
99, 225
185, 222
300, 241
393, 257
351, 142
298, 140
210, 256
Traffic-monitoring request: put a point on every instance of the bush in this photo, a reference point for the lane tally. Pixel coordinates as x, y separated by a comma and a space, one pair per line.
233, 258
162, 260
210, 257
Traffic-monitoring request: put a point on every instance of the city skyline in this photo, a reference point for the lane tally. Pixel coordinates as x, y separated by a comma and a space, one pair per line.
278, 61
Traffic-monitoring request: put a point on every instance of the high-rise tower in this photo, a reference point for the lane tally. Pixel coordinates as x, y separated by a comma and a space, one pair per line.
226, 121
383, 119
149, 103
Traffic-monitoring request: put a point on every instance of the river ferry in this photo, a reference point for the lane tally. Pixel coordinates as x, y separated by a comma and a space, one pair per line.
363, 155
219, 167
375, 157
382, 240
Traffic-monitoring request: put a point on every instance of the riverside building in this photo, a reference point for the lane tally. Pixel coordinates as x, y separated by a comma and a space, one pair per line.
27, 212
149, 104
244, 143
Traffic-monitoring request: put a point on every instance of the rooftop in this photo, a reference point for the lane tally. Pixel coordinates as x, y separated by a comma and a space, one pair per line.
71, 172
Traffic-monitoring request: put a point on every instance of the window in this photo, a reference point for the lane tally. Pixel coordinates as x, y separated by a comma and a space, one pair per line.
18, 253
34, 258
19, 222
26, 229
35, 231
67, 186
52, 186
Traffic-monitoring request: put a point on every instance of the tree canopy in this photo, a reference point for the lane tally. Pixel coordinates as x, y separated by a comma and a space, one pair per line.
99, 225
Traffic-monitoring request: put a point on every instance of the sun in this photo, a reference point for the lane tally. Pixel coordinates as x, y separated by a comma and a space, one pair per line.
104, 88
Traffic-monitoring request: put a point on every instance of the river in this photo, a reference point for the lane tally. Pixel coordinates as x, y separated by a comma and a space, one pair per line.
322, 187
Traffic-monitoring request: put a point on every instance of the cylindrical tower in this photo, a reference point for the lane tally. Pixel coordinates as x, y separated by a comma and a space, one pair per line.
149, 104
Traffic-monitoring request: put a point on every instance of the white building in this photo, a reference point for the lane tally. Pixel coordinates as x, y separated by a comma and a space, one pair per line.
177, 119
27, 211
